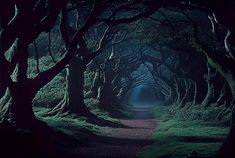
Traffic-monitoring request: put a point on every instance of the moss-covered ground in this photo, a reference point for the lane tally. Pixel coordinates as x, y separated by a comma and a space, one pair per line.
177, 137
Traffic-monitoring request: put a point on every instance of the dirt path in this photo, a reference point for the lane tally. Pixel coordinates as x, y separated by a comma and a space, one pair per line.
122, 142
140, 129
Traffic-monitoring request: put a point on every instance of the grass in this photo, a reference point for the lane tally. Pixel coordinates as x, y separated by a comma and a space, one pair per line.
78, 127
196, 112
177, 150
92, 104
177, 137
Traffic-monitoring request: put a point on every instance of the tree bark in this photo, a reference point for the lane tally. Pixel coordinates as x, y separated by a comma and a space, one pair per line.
187, 86
73, 102
4, 106
221, 96
108, 98
177, 99
97, 82
21, 110
76, 86
21, 92
209, 96
210, 88
225, 67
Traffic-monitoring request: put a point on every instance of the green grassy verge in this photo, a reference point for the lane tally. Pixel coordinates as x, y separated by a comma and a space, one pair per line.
78, 127
177, 138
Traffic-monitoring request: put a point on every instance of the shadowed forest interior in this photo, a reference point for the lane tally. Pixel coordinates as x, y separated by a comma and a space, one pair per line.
117, 78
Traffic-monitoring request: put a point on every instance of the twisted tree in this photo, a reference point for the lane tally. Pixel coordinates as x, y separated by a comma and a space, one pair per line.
29, 22
21, 23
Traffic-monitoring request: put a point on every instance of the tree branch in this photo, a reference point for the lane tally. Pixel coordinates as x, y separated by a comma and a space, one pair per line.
44, 77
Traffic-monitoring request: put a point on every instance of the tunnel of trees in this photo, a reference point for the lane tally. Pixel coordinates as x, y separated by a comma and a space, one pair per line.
82, 59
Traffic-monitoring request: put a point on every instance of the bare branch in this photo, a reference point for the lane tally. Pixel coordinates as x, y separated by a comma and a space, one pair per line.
46, 76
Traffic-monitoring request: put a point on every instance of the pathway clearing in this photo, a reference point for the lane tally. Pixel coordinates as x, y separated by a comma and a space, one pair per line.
121, 142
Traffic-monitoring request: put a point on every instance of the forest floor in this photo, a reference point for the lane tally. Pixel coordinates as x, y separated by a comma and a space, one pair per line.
147, 133
122, 142
73, 137
178, 136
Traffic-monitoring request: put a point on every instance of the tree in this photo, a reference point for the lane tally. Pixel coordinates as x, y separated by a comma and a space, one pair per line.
27, 25
73, 101
35, 17
30, 21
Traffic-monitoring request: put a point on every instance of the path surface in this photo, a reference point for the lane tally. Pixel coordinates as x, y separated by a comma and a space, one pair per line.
123, 142
141, 129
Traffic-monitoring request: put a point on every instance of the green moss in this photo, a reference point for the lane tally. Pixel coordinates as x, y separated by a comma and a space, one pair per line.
189, 128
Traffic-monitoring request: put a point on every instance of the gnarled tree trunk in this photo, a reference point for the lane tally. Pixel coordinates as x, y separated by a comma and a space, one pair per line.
76, 87
97, 82
225, 67
21, 111
73, 101
210, 88
107, 96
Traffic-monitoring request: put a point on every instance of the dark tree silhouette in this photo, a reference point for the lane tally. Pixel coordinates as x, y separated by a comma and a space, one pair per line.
21, 23
25, 26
